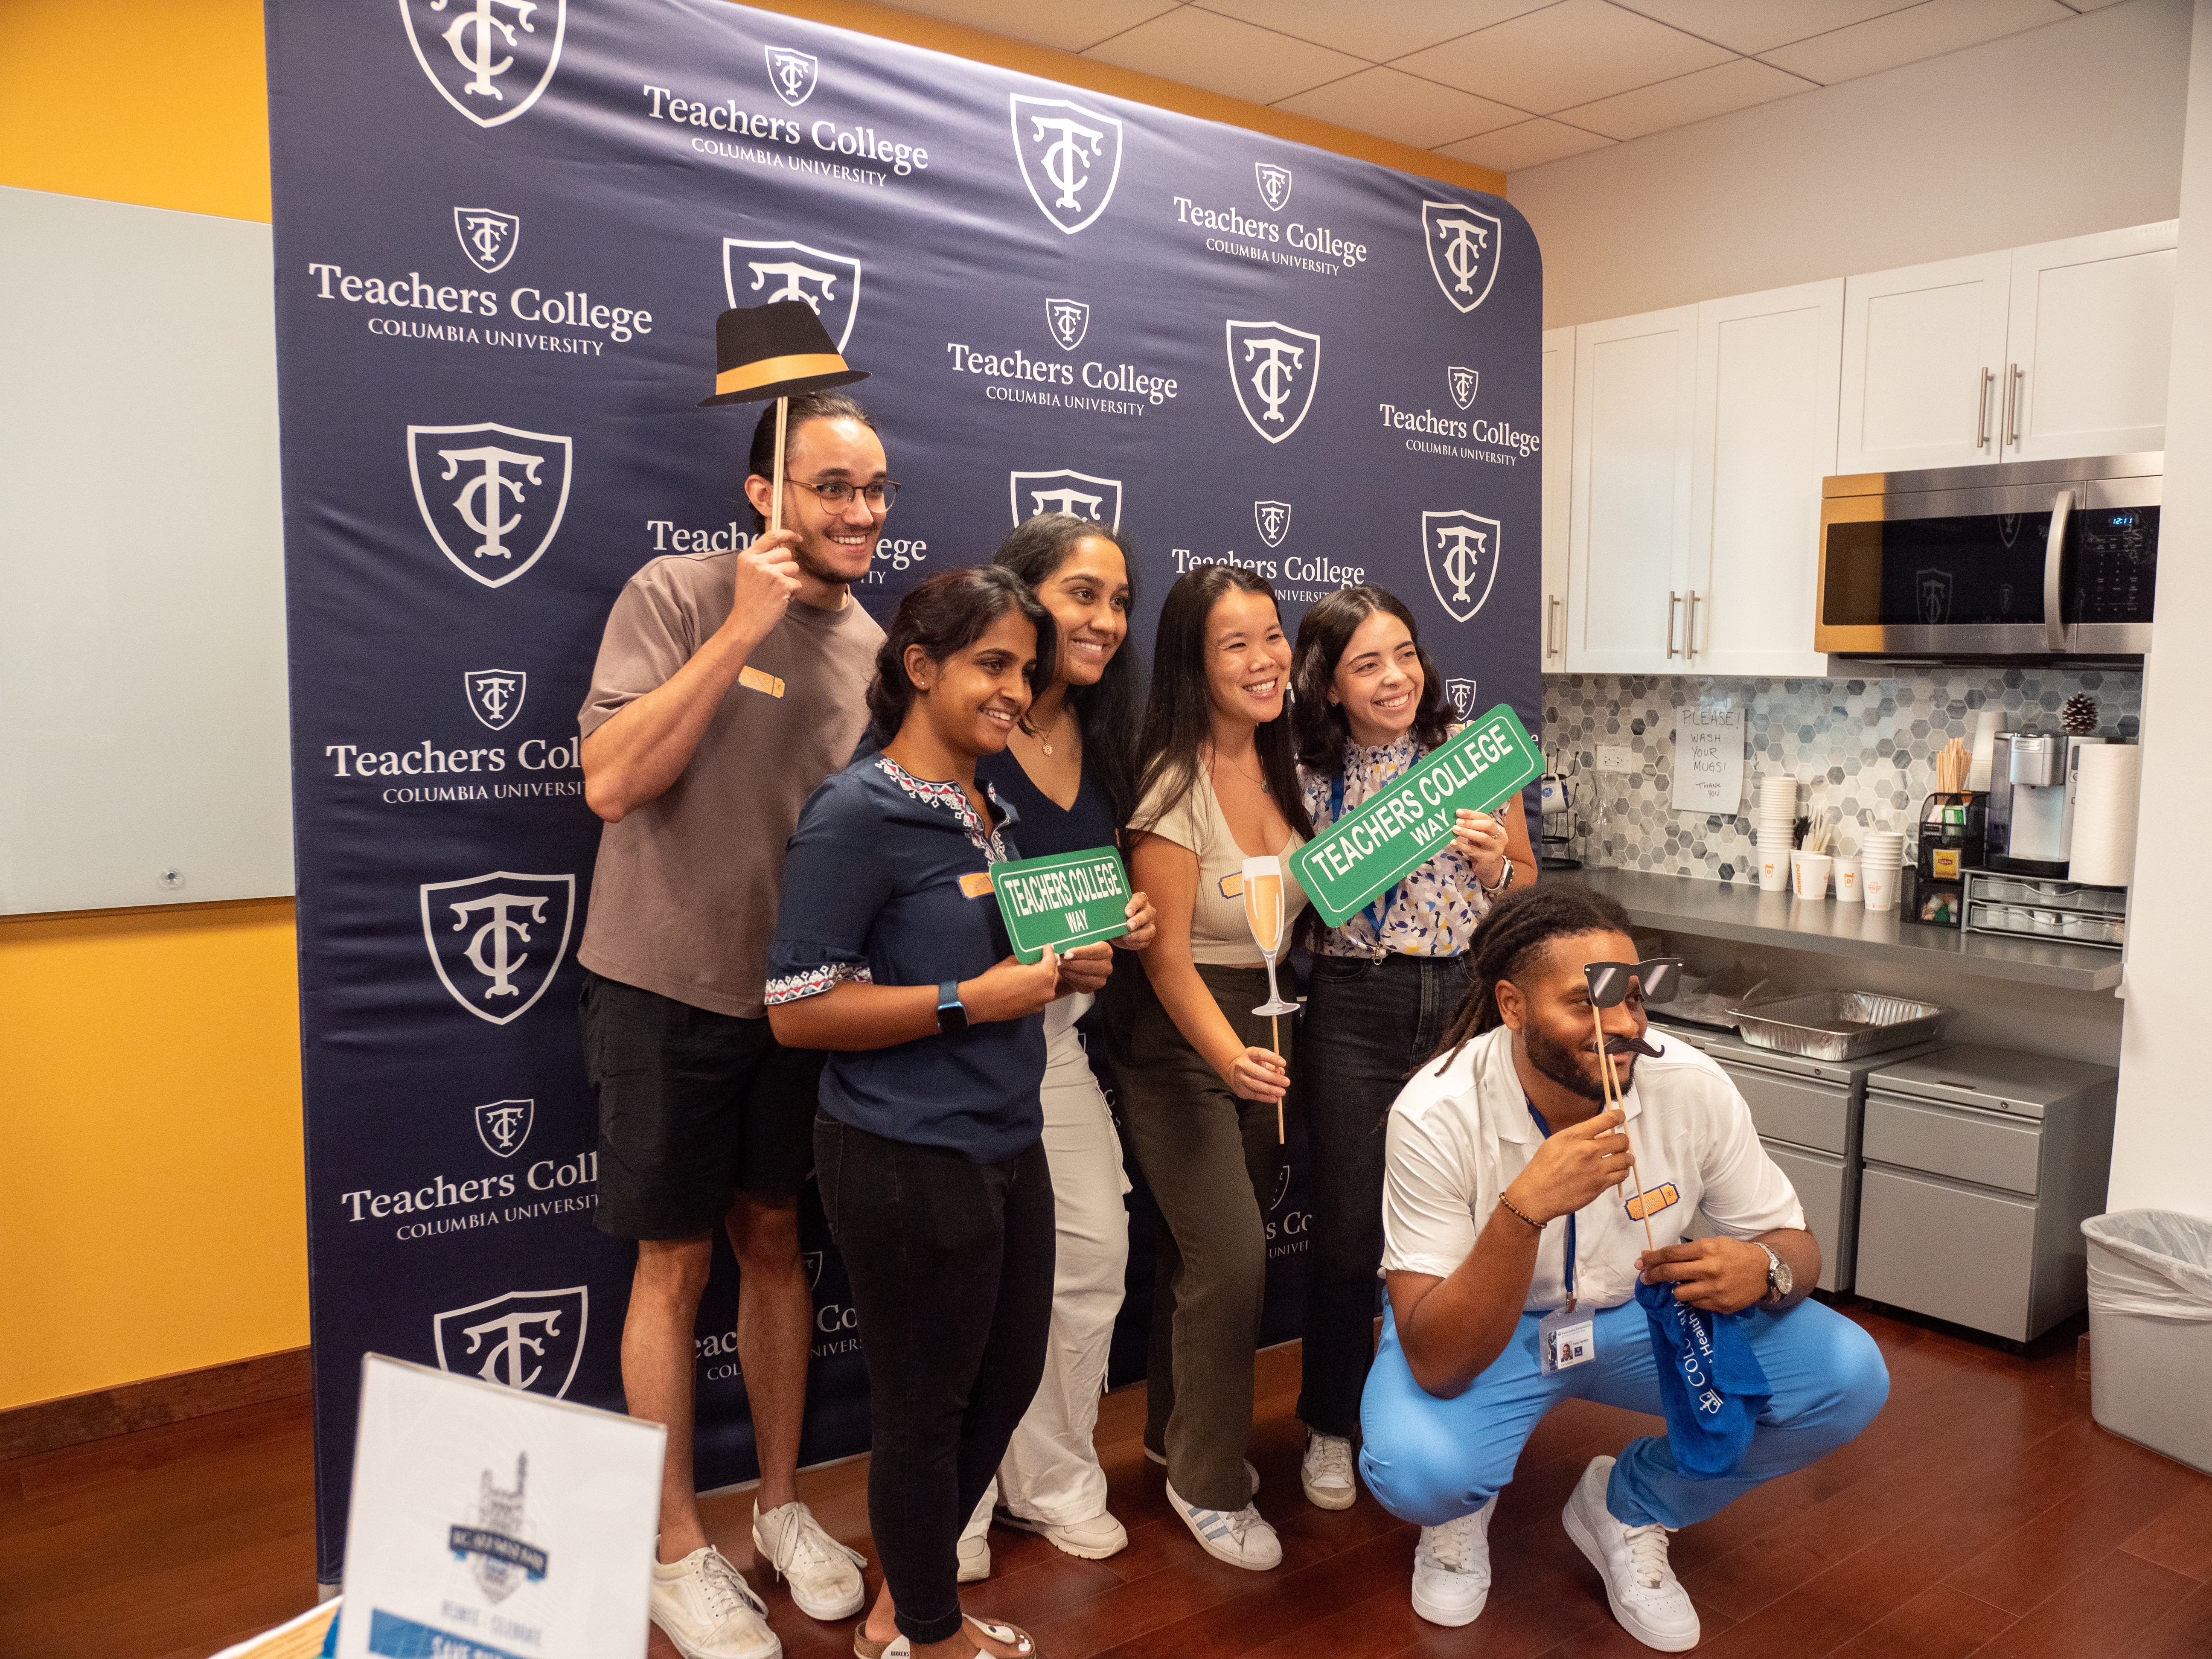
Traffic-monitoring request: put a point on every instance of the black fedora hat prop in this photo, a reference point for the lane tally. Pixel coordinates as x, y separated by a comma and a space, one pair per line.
775, 350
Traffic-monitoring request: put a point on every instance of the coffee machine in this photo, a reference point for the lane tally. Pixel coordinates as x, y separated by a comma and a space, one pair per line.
2031, 814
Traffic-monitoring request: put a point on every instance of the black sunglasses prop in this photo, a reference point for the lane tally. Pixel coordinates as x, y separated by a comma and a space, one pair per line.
1610, 982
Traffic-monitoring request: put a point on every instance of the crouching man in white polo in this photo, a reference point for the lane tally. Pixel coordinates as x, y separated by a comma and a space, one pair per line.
1506, 1204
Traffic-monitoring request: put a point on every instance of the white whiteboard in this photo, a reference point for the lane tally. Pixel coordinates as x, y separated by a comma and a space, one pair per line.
141, 568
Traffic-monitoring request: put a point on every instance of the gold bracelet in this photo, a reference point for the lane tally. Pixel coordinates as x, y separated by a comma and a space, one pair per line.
1520, 1212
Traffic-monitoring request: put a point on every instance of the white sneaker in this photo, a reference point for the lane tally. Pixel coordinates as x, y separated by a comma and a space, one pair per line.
1251, 1474
1093, 1539
823, 1575
1451, 1568
1241, 1539
1326, 1471
706, 1609
1647, 1598
975, 1541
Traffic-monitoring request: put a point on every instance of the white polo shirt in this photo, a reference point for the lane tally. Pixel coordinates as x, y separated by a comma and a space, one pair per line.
1457, 1140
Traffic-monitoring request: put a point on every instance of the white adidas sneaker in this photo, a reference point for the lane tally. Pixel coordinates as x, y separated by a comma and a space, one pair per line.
1451, 1568
1239, 1537
1647, 1598
703, 1605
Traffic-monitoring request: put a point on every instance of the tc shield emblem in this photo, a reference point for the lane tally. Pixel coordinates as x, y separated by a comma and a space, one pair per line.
504, 1125
492, 495
1274, 369
497, 941
792, 74
1070, 158
1463, 384
1461, 695
1067, 321
1275, 185
1932, 588
495, 694
1273, 520
1098, 500
1463, 243
488, 237
528, 1339
760, 273
488, 58
1460, 549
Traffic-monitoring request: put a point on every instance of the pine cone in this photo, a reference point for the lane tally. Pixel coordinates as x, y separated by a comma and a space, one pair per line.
2079, 716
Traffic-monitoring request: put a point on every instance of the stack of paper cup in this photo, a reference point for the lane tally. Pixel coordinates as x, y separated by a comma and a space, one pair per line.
1881, 857
1776, 829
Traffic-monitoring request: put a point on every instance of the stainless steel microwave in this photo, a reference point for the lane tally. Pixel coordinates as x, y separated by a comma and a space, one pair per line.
2018, 559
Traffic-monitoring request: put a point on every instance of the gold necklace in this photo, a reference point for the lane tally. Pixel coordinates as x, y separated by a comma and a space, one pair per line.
1045, 737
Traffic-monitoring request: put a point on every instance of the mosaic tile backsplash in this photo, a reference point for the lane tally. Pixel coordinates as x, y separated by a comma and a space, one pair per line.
1865, 746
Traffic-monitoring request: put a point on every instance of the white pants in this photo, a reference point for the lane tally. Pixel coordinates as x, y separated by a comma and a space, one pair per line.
1050, 1472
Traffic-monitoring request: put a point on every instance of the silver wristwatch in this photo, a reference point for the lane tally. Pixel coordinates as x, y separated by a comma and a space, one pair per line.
1779, 1279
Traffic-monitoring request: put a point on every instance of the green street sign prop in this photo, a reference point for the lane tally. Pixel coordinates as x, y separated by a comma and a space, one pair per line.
1067, 900
1409, 822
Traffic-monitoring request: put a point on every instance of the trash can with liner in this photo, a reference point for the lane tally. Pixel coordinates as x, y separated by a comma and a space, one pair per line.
2150, 1330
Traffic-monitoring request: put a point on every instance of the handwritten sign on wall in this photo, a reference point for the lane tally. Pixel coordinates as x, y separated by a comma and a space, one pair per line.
1708, 755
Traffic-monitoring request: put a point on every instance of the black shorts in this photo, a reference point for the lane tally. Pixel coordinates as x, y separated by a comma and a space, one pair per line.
694, 1107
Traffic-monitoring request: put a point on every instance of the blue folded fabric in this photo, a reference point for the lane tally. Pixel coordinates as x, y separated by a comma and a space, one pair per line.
1710, 1384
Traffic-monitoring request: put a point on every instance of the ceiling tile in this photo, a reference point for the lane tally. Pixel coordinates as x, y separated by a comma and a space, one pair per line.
1762, 25
1570, 53
1530, 144
1069, 27
1685, 98
1375, 29
1391, 104
1928, 30
1205, 49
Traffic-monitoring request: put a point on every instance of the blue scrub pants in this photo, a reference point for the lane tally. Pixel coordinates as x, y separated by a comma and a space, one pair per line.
1431, 1460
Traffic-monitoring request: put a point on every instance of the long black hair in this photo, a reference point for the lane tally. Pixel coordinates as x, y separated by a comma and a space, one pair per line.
1508, 940
1179, 714
1321, 727
944, 615
831, 405
1106, 713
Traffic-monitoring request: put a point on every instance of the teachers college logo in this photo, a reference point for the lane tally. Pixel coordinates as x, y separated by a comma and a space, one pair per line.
1098, 500
492, 495
488, 58
792, 74
1274, 369
754, 275
1274, 184
1463, 243
1460, 549
1273, 520
1067, 321
1463, 383
528, 1339
488, 237
497, 939
1070, 158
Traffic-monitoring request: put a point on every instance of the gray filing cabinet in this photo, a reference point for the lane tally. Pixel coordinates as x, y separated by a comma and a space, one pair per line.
1807, 1114
1981, 1165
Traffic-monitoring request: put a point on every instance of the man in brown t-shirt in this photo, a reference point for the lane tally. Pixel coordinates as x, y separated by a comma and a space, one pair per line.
728, 685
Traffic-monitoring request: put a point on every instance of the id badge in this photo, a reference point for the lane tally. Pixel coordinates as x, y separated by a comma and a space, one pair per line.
1566, 1337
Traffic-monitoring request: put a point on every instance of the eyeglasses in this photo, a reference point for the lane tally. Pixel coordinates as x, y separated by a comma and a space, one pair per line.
838, 493
1610, 982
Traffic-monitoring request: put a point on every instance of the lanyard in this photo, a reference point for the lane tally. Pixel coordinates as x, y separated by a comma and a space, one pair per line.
1382, 905
1546, 1128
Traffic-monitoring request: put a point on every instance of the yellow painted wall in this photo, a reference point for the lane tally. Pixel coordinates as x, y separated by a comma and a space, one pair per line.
152, 1215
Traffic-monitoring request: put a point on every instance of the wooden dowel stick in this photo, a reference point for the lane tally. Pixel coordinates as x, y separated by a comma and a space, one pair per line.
782, 413
1612, 1098
1275, 1041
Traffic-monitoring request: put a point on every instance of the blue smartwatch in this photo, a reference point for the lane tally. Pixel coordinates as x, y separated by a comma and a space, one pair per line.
951, 1013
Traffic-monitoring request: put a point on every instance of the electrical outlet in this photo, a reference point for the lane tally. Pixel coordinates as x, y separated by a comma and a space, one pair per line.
1613, 757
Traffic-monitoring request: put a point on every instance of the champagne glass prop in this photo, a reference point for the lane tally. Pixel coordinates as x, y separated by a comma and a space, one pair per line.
1263, 915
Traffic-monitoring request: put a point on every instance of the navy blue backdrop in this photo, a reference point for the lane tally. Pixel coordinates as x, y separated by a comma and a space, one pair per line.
503, 231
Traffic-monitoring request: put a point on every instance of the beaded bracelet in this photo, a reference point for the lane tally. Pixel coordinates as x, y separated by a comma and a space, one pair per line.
1520, 1212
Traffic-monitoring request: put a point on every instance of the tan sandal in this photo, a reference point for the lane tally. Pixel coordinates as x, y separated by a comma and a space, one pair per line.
1012, 1636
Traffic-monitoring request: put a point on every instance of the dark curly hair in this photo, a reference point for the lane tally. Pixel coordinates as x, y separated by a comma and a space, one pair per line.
944, 615
1507, 942
1321, 727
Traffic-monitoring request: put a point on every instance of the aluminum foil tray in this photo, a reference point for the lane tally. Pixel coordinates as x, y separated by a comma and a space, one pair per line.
1836, 1025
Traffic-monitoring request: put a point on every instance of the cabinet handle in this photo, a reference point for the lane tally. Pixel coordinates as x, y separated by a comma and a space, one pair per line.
1551, 624
1982, 420
2013, 401
1690, 629
1674, 601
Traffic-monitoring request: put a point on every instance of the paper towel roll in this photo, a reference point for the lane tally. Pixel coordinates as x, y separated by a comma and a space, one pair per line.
2103, 852
1986, 726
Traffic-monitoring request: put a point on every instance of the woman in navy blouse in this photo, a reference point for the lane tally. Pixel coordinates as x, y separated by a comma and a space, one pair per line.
889, 953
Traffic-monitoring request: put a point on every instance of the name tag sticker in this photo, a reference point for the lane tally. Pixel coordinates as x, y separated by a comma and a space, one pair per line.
1566, 1337
1232, 886
753, 680
975, 885
1653, 1199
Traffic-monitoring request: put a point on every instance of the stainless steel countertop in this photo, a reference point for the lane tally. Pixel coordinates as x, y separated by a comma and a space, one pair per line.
1739, 911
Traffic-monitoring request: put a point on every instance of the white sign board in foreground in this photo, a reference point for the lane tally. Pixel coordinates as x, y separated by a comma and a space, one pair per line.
1709, 756
493, 1523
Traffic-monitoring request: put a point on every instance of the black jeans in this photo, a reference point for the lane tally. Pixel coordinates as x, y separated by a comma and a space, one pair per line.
1368, 1025
951, 1262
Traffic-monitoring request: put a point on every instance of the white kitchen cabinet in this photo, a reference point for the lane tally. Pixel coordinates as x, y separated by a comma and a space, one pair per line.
1768, 368
1635, 396
2091, 325
1923, 362
1558, 435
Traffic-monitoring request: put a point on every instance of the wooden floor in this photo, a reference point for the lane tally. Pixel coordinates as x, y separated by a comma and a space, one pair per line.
1983, 1512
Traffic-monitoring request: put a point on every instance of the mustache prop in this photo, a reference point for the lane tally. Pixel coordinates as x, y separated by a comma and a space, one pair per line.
1622, 1045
